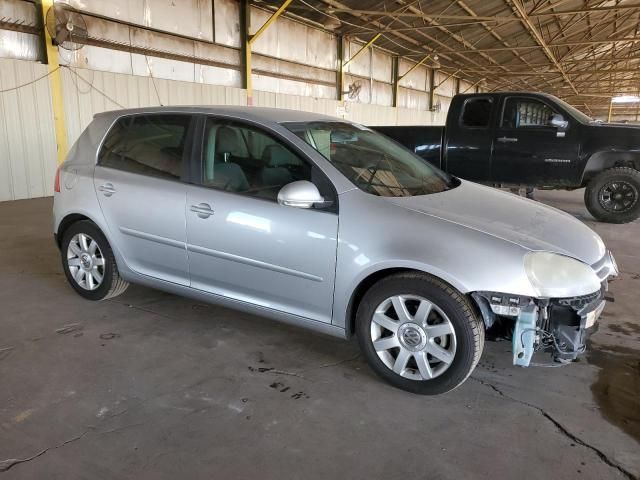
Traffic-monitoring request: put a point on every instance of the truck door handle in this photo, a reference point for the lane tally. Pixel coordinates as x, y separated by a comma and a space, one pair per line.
203, 210
507, 139
107, 189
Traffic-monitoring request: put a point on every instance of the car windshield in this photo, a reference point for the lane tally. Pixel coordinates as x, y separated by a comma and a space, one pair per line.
371, 161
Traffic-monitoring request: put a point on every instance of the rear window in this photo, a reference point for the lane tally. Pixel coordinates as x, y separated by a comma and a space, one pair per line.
476, 113
151, 145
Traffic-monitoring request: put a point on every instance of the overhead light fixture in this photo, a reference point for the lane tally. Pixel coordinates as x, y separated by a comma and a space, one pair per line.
626, 99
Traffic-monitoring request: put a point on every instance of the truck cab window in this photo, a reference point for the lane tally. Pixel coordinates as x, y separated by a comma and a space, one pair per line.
476, 113
525, 112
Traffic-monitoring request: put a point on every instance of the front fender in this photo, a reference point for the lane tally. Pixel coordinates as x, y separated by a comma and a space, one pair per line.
605, 159
467, 259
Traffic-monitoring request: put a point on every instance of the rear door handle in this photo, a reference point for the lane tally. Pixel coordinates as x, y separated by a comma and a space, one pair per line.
507, 139
107, 189
203, 210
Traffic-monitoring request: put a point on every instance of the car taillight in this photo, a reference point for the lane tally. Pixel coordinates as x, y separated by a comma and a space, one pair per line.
56, 183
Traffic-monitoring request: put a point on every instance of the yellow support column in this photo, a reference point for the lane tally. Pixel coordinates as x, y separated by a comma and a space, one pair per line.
252, 38
55, 81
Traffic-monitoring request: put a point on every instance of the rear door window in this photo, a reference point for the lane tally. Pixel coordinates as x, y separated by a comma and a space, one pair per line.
476, 113
153, 145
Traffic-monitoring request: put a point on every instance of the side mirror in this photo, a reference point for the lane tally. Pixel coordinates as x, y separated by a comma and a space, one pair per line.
300, 194
559, 122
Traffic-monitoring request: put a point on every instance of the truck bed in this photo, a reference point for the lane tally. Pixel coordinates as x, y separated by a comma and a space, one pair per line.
424, 141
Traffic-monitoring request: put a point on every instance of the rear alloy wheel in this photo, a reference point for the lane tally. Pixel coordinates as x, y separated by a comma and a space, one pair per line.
89, 264
85, 261
614, 195
419, 334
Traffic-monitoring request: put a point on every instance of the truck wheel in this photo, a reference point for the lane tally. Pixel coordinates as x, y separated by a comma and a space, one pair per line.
419, 334
613, 195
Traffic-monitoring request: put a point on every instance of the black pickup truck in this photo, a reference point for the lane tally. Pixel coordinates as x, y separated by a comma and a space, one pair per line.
522, 139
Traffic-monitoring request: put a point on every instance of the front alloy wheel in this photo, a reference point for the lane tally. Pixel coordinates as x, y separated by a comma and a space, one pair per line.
413, 337
418, 333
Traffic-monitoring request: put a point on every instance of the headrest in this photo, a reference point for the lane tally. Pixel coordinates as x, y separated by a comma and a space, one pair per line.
229, 140
277, 156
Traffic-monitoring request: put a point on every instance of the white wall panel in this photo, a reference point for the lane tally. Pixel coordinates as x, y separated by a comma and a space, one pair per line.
417, 78
290, 40
382, 66
413, 99
82, 101
466, 87
191, 18
292, 87
226, 16
382, 94
21, 46
27, 142
446, 84
361, 65
408, 116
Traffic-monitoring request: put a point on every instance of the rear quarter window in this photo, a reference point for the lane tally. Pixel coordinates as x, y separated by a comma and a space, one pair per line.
151, 145
476, 113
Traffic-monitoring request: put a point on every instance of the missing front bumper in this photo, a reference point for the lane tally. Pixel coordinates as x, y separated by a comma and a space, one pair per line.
560, 327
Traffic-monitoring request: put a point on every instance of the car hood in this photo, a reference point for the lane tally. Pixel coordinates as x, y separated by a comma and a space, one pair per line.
530, 224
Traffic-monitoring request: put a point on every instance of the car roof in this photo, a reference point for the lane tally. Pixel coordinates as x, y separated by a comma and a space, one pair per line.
255, 114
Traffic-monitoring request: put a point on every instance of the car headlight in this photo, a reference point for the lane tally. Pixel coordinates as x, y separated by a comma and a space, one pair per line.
556, 276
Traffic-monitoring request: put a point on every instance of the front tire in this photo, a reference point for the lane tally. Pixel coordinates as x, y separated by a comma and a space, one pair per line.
613, 195
89, 263
419, 334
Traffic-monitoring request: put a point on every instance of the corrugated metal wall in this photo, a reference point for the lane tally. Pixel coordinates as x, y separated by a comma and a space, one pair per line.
87, 92
294, 67
27, 140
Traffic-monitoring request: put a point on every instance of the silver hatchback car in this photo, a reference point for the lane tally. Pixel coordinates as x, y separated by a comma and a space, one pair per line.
323, 223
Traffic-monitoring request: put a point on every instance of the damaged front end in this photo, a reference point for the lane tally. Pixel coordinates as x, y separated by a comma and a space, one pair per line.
559, 326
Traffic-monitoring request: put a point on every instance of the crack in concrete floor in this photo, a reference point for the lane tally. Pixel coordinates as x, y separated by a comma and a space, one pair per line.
561, 428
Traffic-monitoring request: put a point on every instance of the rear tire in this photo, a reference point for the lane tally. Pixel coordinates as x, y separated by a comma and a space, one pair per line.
613, 195
89, 263
431, 346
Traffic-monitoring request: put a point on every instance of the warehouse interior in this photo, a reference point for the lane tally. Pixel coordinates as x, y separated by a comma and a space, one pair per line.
154, 385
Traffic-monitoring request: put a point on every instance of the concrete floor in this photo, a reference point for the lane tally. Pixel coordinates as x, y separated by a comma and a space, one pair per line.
153, 386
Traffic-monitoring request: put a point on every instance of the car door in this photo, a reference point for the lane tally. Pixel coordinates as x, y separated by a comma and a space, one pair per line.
528, 150
241, 243
139, 182
468, 140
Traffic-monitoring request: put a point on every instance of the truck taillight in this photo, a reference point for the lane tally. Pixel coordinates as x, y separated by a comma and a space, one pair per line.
56, 183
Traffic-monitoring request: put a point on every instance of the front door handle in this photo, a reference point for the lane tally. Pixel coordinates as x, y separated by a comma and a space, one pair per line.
507, 139
107, 189
203, 210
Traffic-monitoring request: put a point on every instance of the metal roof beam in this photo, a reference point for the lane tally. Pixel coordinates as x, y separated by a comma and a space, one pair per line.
585, 10
519, 9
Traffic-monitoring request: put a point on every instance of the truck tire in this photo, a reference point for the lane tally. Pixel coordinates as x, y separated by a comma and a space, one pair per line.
419, 333
613, 195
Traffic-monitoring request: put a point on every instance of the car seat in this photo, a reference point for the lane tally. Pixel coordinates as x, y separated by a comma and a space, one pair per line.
219, 170
276, 159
